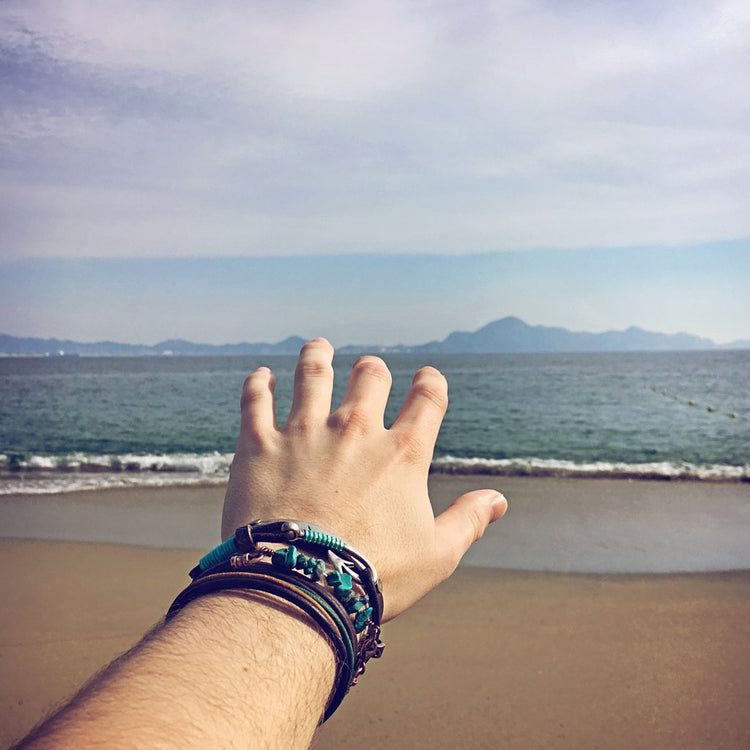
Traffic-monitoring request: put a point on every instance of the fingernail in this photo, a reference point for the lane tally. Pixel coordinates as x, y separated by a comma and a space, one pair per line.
498, 505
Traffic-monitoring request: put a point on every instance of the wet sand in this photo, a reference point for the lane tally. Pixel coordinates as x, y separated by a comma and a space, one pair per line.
561, 525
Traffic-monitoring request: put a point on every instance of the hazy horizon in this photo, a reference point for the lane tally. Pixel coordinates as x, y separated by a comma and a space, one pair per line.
388, 300
375, 344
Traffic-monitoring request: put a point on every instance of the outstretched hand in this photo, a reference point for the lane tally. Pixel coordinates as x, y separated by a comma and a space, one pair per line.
346, 472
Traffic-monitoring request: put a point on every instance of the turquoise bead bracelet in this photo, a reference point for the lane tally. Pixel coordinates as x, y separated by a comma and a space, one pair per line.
246, 539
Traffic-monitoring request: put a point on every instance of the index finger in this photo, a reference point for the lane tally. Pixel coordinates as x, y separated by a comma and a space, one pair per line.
424, 408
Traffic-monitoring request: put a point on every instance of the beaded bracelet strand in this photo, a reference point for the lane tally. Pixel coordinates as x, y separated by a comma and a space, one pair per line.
246, 539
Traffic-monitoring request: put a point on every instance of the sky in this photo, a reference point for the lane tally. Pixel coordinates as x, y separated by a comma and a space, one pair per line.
376, 172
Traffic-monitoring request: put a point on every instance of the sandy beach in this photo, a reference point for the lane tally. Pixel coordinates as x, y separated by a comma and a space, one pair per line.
493, 658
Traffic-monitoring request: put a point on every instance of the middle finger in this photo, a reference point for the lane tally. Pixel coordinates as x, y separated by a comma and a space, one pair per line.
313, 385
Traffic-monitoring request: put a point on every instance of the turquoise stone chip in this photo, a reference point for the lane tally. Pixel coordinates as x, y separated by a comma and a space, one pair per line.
291, 556
284, 559
355, 605
360, 621
345, 596
339, 581
301, 561
318, 570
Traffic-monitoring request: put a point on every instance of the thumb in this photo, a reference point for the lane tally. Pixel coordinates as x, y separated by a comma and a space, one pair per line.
464, 522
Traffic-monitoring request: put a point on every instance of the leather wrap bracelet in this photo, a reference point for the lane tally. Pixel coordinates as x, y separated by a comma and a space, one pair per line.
320, 574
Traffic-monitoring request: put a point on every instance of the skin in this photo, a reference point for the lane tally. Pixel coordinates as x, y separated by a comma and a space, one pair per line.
239, 669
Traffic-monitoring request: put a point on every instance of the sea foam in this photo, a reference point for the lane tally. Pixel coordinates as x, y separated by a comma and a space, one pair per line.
601, 469
38, 474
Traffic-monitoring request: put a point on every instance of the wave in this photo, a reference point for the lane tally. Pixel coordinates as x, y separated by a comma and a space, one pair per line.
39, 474
550, 467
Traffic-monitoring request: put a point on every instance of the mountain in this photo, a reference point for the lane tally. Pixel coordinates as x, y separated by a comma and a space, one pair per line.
12, 345
181, 347
509, 334
513, 335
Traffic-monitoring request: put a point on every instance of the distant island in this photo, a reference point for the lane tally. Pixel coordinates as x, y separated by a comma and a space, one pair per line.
507, 335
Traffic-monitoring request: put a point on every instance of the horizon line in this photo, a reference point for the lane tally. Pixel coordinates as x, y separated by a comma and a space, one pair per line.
182, 339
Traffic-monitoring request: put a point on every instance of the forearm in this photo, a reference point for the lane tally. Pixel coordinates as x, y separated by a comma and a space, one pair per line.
236, 669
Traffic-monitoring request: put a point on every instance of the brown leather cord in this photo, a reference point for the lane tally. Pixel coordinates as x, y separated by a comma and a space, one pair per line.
300, 581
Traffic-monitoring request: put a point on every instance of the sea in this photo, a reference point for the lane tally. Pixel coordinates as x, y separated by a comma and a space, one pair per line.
86, 423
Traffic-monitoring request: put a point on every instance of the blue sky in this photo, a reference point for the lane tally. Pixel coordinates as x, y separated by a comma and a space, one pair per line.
567, 162
380, 299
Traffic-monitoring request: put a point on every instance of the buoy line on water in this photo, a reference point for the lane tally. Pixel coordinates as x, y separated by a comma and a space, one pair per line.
690, 402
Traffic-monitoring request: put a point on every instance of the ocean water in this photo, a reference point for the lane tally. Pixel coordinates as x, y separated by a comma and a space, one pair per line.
84, 423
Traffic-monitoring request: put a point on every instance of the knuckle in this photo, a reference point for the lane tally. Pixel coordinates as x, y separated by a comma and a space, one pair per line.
300, 426
262, 441
412, 448
476, 524
353, 421
472, 530
433, 389
314, 369
254, 388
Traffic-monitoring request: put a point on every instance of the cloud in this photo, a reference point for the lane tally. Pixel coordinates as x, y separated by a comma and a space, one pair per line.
191, 128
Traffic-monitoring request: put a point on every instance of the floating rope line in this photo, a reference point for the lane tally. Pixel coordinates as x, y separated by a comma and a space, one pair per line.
691, 402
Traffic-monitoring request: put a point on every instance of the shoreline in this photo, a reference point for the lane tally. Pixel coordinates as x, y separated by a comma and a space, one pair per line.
492, 658
190, 482
566, 525
158, 472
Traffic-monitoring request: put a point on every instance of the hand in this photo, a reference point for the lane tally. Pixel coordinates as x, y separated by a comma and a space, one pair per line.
345, 472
